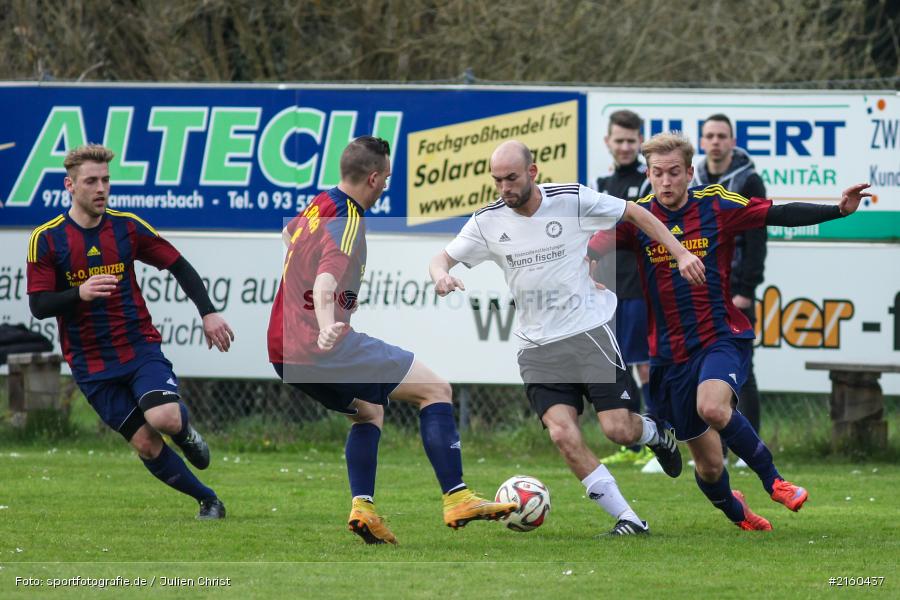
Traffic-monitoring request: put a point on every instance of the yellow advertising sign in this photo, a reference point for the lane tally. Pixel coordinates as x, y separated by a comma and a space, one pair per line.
448, 167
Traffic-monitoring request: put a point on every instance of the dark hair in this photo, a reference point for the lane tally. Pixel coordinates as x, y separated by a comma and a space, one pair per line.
626, 120
362, 156
721, 119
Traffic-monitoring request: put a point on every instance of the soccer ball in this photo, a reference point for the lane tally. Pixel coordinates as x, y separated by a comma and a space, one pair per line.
533, 499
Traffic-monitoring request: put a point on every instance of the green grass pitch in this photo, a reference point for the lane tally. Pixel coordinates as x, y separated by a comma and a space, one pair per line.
72, 511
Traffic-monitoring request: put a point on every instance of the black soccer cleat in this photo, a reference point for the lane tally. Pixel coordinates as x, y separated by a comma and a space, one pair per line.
666, 451
211, 508
624, 527
195, 449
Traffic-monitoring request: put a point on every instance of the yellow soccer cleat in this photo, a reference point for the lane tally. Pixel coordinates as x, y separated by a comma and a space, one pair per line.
623, 456
464, 506
366, 523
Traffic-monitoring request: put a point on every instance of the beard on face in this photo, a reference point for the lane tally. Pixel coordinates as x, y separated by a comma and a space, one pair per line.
519, 200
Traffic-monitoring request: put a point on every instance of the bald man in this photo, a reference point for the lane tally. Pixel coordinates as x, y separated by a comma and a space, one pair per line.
538, 234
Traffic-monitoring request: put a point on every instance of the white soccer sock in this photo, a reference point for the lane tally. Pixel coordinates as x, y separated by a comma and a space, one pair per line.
649, 433
602, 489
455, 489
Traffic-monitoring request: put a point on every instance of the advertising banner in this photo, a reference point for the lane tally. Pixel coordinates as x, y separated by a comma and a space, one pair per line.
244, 157
819, 302
806, 146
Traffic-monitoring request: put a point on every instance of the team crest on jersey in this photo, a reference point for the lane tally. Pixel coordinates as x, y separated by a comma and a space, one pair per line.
554, 229
93, 251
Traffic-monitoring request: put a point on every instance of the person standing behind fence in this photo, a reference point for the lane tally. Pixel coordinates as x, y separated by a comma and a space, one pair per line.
80, 269
731, 167
313, 348
629, 182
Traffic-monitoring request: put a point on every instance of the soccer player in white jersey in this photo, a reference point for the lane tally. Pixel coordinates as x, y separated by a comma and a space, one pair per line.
538, 235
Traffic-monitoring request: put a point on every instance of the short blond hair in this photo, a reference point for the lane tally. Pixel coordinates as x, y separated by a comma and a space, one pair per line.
669, 141
87, 153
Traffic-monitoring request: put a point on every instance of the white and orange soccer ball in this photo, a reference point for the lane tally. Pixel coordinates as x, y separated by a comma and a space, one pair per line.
533, 499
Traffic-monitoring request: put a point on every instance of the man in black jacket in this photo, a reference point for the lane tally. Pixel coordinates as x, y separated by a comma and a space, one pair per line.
629, 182
732, 168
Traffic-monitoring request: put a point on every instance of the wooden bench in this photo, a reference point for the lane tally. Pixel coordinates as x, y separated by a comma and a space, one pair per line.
857, 405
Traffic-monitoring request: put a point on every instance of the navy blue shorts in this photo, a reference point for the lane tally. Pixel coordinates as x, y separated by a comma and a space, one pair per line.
674, 387
116, 400
360, 366
631, 330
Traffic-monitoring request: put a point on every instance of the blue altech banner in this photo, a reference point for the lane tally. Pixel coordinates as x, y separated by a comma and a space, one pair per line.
247, 157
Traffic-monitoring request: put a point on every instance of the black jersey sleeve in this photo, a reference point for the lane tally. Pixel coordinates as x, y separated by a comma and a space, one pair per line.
53, 304
189, 280
797, 214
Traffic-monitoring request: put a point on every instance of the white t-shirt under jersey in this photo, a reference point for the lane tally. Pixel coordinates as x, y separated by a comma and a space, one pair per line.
543, 259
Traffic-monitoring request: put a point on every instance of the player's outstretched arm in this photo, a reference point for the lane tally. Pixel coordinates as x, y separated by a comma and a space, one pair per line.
797, 214
852, 196
690, 267
217, 331
439, 269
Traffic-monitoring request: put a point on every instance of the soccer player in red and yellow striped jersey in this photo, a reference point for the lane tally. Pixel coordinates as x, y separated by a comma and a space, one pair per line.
700, 343
313, 348
80, 269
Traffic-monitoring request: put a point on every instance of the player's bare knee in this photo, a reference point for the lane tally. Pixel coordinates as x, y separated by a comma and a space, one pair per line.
715, 415
564, 436
368, 413
166, 418
161, 410
147, 443
709, 472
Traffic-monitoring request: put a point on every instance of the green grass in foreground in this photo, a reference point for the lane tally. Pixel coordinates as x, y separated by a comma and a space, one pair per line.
73, 511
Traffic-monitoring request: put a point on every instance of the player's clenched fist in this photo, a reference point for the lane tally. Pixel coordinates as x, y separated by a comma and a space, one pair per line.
447, 284
329, 335
97, 286
691, 268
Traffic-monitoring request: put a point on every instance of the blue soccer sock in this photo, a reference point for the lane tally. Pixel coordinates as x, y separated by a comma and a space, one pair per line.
179, 437
719, 493
171, 470
741, 438
361, 452
441, 440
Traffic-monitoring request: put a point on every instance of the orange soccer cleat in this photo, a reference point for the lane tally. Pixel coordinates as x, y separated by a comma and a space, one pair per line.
790, 495
366, 523
464, 506
752, 521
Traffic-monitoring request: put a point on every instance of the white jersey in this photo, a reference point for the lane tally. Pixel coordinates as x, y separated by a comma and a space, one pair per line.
543, 259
